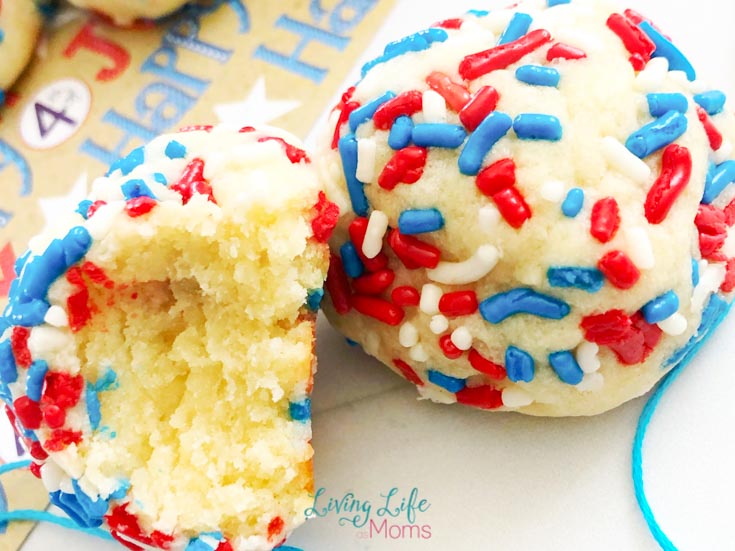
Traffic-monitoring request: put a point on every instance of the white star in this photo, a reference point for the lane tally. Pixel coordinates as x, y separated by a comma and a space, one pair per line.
254, 110
60, 205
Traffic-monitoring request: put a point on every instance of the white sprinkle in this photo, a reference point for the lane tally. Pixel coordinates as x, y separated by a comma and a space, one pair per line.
371, 343
56, 316
622, 160
430, 295
515, 397
434, 107
418, 354
653, 75
724, 153
462, 338
376, 228
488, 218
674, 325
711, 277
438, 324
698, 86
45, 340
553, 191
52, 476
365, 160
467, 271
591, 382
587, 356
408, 336
639, 247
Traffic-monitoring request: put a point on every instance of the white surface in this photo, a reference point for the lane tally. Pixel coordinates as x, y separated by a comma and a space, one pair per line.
503, 481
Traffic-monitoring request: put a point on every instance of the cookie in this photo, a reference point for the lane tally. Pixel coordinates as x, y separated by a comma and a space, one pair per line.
20, 24
125, 12
157, 354
536, 209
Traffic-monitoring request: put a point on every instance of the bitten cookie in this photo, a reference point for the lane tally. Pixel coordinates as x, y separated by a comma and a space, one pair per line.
125, 12
20, 23
536, 206
157, 349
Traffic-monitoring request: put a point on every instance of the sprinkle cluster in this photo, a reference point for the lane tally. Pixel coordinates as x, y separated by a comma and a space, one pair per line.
370, 271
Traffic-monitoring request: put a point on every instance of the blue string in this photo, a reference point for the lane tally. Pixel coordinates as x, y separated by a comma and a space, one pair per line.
7, 467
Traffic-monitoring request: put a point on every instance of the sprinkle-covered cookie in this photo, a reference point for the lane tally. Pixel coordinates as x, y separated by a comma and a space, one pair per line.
20, 23
156, 354
536, 208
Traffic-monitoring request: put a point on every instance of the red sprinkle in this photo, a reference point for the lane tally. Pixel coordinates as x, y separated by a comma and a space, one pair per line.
377, 308
637, 61
19, 345
408, 372
406, 103
325, 220
496, 177
357, 230
458, 303
37, 451
62, 389
634, 39
195, 127
483, 397
480, 106
413, 252
500, 57
79, 309
676, 171
729, 211
337, 285
294, 154
346, 107
246, 129
486, 366
449, 348
61, 439
97, 275
94, 207
224, 546
638, 342
454, 23
637, 18
125, 523
605, 219
275, 527
406, 165
512, 206
374, 283
405, 296
713, 135
456, 95
35, 469
138, 206
729, 283
28, 412
564, 51
606, 328
192, 180
712, 227
619, 269
54, 416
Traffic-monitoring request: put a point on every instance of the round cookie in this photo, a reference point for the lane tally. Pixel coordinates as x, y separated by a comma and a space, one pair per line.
20, 24
536, 209
156, 354
125, 12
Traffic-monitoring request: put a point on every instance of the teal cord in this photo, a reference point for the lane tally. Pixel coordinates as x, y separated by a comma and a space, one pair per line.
7, 467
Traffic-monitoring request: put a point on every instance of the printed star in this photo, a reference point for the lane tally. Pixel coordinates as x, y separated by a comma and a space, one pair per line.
255, 109
7, 262
64, 204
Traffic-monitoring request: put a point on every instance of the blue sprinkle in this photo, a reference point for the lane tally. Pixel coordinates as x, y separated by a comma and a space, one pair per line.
301, 410
717, 180
83, 207
350, 342
401, 132
76, 244
93, 406
478, 13
20, 262
351, 260
538, 75
573, 202
122, 491
517, 27
348, 153
160, 178
136, 188
438, 135
657, 134
481, 141
127, 164
80, 507
36, 377
566, 367
660, 104
314, 299
411, 222
8, 368
108, 381
661, 307
532, 126
175, 150
365, 113
519, 365
713, 101
522, 301
664, 48
198, 545
695, 272
586, 279
452, 384
416, 42
27, 314
552, 3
